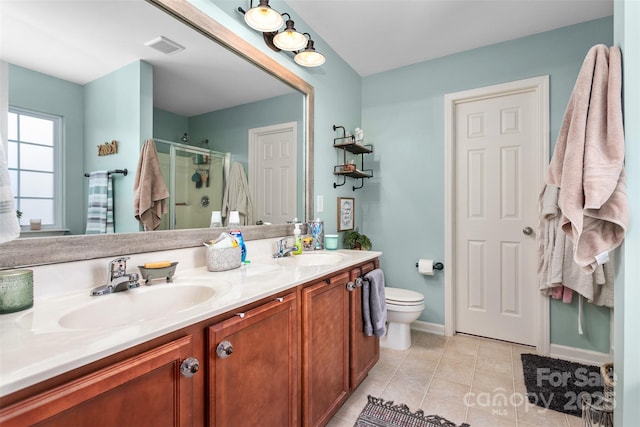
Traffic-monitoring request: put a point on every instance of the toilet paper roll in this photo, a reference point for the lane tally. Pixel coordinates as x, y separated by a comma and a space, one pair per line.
425, 266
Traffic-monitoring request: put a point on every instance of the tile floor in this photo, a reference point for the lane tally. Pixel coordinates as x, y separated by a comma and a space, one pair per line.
436, 374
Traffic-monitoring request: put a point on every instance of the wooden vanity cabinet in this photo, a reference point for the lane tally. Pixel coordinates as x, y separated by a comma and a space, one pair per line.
336, 354
147, 389
253, 367
325, 348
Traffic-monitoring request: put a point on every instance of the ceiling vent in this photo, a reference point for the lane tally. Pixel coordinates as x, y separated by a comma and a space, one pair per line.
164, 45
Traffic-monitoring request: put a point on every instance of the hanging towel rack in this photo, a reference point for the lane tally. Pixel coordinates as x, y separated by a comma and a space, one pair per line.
122, 171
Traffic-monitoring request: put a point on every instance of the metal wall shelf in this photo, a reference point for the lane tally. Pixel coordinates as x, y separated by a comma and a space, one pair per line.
348, 144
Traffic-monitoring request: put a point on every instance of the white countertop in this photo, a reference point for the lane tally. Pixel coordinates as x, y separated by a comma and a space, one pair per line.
35, 347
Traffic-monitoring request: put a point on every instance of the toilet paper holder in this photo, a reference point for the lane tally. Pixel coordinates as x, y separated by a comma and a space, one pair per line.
436, 266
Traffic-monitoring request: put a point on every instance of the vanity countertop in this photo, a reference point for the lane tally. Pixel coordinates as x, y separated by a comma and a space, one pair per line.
35, 346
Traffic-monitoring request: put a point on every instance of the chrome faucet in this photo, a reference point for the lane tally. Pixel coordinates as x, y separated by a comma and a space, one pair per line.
118, 279
282, 249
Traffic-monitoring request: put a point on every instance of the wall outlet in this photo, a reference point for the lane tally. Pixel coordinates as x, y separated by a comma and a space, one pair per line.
320, 204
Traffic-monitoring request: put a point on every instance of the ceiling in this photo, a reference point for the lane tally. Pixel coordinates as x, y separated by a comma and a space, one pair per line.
80, 41
375, 36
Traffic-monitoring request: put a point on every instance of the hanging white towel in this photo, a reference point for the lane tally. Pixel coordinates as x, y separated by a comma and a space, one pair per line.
237, 196
100, 210
9, 226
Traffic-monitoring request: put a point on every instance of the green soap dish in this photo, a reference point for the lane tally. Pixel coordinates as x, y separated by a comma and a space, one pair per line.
158, 273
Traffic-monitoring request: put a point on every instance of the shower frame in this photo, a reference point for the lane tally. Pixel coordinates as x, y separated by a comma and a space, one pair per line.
173, 147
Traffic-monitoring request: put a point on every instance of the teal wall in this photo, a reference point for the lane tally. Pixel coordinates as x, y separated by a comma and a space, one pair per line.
337, 99
169, 126
627, 291
403, 112
40, 92
119, 106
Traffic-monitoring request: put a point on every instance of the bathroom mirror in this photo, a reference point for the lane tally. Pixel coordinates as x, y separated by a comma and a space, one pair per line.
69, 248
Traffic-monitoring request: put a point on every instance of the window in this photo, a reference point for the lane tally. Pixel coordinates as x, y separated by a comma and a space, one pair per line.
34, 147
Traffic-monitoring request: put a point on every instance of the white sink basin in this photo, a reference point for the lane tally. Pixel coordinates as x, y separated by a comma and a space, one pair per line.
135, 305
310, 259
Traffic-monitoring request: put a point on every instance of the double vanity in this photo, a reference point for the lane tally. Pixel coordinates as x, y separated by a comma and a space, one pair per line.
276, 342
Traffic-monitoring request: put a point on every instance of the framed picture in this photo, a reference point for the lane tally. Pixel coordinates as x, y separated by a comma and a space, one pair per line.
346, 207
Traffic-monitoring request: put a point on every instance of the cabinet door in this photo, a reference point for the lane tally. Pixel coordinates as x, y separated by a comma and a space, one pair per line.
253, 378
325, 338
365, 350
145, 390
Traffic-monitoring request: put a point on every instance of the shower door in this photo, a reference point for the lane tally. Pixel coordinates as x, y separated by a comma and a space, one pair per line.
195, 178
196, 187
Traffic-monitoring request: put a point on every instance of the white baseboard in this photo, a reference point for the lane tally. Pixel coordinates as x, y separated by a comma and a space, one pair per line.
431, 328
580, 355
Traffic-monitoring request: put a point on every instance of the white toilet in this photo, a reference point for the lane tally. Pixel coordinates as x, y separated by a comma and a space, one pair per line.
403, 307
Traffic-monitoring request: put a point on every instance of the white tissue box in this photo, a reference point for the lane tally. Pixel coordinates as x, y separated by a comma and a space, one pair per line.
221, 259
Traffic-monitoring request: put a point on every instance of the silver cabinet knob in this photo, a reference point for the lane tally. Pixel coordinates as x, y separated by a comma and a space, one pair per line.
224, 349
189, 367
527, 230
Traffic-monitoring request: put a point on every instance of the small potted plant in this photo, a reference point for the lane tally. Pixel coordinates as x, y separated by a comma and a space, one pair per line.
355, 240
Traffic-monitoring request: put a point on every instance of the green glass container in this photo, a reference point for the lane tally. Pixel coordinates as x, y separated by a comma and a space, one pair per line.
16, 290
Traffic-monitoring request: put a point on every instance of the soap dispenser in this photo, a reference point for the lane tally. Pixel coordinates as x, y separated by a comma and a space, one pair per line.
298, 238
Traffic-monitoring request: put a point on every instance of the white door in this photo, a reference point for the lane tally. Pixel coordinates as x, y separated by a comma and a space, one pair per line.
496, 191
273, 176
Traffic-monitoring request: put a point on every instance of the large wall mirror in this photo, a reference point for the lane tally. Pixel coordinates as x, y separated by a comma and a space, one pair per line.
178, 95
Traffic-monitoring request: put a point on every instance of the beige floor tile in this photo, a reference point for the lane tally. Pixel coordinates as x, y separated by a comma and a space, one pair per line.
393, 357
424, 377
494, 350
483, 381
448, 390
418, 352
452, 370
411, 394
495, 366
444, 408
574, 421
539, 416
354, 405
339, 422
480, 418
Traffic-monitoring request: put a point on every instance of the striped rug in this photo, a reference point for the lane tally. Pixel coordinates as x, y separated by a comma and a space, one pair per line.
378, 413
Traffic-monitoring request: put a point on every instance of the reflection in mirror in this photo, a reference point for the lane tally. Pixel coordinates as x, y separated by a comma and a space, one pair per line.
108, 77
78, 247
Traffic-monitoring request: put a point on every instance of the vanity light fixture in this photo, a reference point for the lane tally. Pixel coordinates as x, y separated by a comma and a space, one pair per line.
309, 57
261, 18
289, 39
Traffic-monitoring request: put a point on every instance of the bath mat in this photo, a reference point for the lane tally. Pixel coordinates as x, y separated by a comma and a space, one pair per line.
378, 413
559, 385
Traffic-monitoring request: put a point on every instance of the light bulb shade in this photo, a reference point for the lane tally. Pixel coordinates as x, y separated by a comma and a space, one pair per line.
263, 18
289, 39
309, 57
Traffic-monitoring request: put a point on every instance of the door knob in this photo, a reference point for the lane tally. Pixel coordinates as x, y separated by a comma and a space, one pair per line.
527, 230
224, 349
189, 367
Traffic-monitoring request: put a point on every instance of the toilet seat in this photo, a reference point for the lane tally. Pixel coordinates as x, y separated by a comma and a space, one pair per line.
403, 297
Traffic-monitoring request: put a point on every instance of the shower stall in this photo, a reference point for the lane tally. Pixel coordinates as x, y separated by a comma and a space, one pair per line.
196, 180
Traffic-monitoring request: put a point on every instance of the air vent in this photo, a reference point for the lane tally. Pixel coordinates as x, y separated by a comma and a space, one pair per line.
164, 45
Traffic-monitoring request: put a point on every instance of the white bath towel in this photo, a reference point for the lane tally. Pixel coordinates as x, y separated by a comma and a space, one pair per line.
9, 226
374, 306
237, 196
